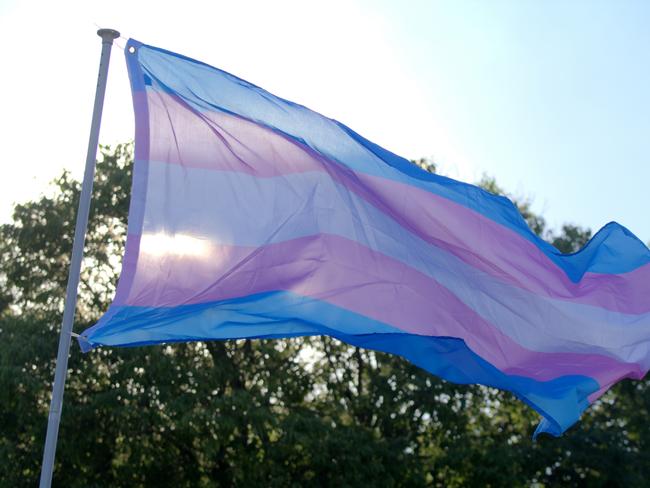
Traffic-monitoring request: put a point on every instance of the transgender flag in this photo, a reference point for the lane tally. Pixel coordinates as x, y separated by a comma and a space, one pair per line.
254, 217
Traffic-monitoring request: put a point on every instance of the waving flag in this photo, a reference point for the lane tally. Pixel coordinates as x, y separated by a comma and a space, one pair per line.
254, 217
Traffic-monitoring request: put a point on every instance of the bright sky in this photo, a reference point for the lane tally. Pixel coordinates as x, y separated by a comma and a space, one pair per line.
551, 98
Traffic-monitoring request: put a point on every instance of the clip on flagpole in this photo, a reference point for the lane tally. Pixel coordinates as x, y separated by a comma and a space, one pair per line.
107, 35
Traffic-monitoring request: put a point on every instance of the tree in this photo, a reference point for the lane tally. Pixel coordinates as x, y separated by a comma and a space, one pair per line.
274, 413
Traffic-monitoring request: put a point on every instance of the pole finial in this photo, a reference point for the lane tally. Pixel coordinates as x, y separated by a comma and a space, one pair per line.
108, 35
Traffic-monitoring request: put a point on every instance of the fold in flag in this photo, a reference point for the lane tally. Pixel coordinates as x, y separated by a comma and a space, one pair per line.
254, 217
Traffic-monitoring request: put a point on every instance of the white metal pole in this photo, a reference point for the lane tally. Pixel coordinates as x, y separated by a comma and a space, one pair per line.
107, 35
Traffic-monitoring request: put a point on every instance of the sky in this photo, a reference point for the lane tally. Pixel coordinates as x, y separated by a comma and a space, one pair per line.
551, 98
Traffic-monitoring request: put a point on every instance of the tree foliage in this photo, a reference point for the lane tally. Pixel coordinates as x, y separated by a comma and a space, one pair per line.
309, 411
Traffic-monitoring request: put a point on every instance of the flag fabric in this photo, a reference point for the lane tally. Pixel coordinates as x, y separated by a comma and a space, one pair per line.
255, 217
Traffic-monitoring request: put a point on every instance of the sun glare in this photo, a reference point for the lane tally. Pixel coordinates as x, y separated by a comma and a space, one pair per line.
173, 244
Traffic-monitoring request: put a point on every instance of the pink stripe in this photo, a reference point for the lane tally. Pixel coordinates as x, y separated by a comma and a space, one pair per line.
349, 275
141, 104
498, 251
219, 141
224, 142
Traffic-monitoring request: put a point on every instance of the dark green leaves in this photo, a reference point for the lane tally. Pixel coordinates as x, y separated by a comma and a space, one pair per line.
301, 412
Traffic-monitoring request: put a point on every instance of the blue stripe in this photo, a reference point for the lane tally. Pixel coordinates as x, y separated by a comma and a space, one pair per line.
613, 250
284, 314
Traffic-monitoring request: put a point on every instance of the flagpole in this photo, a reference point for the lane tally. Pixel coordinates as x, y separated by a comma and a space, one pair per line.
107, 35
